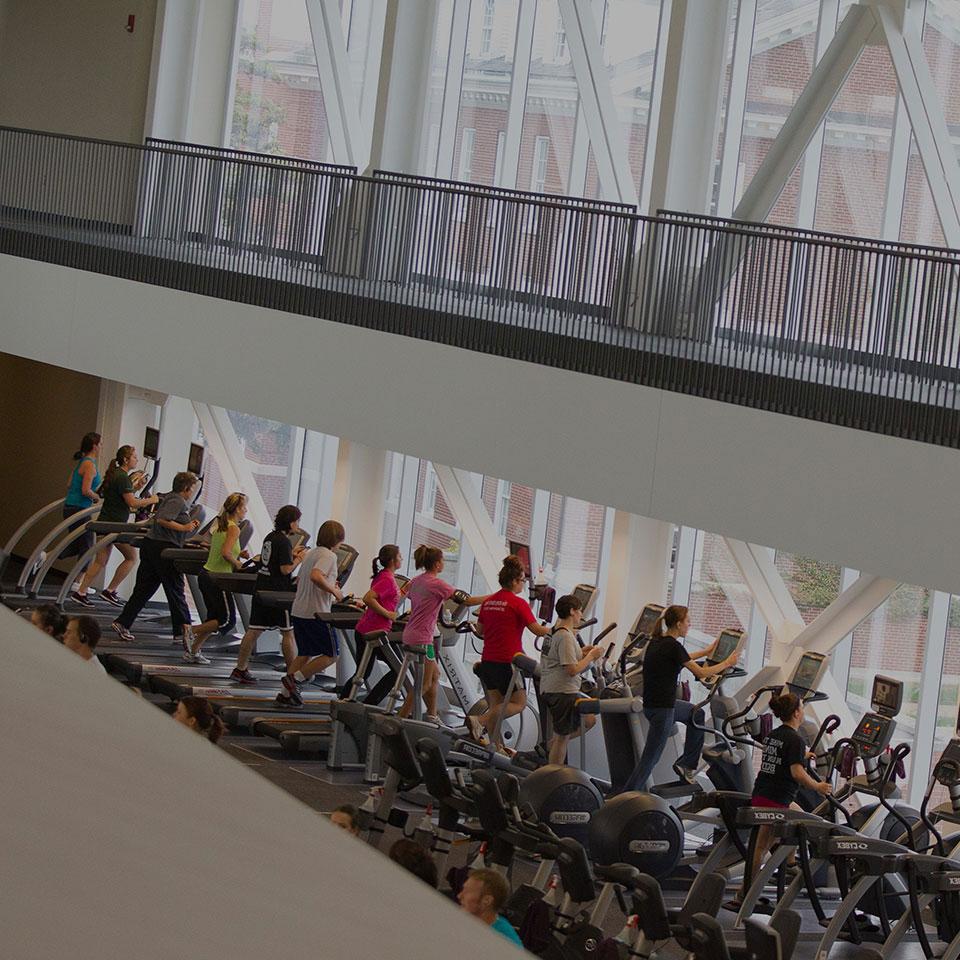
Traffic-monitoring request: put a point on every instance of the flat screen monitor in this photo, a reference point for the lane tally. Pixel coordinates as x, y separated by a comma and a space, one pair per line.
646, 620
195, 460
298, 538
151, 444
586, 594
522, 552
727, 643
346, 558
887, 696
808, 671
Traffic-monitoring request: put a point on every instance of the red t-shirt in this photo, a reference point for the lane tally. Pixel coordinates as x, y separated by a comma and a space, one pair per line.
503, 616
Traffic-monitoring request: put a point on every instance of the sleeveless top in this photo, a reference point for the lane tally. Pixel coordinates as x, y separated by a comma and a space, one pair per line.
215, 562
75, 497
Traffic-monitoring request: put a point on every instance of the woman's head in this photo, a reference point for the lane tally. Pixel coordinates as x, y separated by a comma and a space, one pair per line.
287, 519
331, 534
197, 714
89, 446
49, 619
387, 559
675, 617
428, 558
184, 482
234, 508
569, 607
511, 575
126, 459
785, 706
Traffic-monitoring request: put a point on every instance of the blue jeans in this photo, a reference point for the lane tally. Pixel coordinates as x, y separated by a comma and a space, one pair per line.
661, 721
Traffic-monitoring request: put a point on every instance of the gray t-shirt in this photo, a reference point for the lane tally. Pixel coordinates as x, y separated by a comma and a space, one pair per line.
175, 508
559, 650
311, 598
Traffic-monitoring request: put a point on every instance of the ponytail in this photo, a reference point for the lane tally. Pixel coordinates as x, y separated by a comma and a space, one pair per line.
427, 558
388, 553
230, 506
116, 464
784, 706
208, 723
667, 620
89, 441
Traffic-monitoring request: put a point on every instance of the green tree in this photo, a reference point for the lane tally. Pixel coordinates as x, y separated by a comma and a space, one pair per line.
256, 118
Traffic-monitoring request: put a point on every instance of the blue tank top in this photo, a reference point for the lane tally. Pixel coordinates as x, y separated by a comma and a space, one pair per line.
75, 497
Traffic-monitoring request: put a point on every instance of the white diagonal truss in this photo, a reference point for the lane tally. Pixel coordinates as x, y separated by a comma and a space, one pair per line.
452, 89
519, 77
596, 98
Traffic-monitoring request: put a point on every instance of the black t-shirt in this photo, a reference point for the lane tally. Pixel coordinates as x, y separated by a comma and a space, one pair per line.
662, 662
277, 552
781, 750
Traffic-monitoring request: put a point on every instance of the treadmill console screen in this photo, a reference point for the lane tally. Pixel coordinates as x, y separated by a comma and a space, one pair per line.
586, 595
872, 731
727, 643
643, 627
346, 558
887, 696
151, 444
195, 460
522, 552
806, 676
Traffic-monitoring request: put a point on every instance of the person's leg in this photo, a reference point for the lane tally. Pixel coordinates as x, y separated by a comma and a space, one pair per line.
93, 571
558, 749
314, 665
247, 644
148, 579
494, 702
288, 648
765, 840
215, 601
693, 742
431, 686
172, 582
126, 565
515, 705
659, 724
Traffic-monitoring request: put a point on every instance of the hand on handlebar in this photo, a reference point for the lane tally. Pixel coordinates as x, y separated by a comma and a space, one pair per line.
823, 788
194, 524
596, 652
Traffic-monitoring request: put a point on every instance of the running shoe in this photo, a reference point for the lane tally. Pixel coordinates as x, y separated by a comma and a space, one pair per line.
476, 728
188, 657
112, 597
82, 599
685, 773
122, 632
284, 701
290, 688
186, 638
242, 676
200, 658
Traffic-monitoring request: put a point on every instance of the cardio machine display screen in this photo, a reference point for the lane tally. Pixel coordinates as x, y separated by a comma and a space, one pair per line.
887, 695
151, 443
727, 643
647, 620
585, 595
195, 460
870, 731
522, 552
807, 671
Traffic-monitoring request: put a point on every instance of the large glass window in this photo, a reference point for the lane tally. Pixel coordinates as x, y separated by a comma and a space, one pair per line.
813, 584
278, 105
433, 111
718, 596
574, 541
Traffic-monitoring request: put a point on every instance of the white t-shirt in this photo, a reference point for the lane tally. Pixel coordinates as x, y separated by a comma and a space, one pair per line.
95, 661
559, 650
311, 598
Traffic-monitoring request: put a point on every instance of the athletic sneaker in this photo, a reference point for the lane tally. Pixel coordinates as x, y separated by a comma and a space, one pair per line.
82, 599
685, 773
188, 657
186, 638
242, 676
200, 658
284, 701
112, 597
290, 689
122, 632
476, 728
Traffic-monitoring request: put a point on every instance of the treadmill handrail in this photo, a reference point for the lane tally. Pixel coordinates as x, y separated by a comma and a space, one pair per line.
54, 555
18, 534
77, 568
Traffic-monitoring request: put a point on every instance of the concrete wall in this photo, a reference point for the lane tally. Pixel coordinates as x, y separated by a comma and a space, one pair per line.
73, 68
878, 504
44, 411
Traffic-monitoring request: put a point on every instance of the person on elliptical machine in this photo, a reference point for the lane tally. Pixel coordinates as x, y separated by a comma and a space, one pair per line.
782, 773
502, 618
561, 664
663, 660
427, 593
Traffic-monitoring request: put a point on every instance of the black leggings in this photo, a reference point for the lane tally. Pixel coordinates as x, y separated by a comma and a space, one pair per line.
155, 572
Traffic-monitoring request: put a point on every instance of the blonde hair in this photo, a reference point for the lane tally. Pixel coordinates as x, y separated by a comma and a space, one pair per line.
230, 506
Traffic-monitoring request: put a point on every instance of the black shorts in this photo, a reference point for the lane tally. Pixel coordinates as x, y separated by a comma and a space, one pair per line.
85, 541
497, 676
563, 712
218, 602
263, 617
314, 638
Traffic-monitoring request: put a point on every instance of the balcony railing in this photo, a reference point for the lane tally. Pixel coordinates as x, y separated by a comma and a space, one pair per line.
842, 330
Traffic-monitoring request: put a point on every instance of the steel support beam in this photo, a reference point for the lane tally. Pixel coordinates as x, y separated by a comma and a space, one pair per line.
596, 99
522, 51
339, 97
657, 105
452, 88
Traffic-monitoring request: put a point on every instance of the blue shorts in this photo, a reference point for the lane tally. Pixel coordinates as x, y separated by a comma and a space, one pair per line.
314, 638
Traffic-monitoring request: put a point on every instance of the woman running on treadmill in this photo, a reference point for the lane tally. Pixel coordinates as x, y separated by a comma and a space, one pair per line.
317, 588
782, 774
171, 526
427, 594
82, 490
121, 484
382, 599
278, 560
663, 660
503, 617
224, 556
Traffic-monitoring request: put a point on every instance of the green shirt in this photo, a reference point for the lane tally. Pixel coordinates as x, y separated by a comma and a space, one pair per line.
215, 562
115, 509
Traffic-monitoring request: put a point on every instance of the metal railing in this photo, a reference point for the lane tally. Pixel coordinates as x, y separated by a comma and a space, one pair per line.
845, 331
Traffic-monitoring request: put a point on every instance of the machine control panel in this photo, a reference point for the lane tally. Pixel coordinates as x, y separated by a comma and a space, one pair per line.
873, 734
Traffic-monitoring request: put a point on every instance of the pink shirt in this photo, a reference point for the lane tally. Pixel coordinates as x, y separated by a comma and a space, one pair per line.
385, 589
426, 593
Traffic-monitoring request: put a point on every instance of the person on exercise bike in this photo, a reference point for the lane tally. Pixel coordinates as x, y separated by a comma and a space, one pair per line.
663, 660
